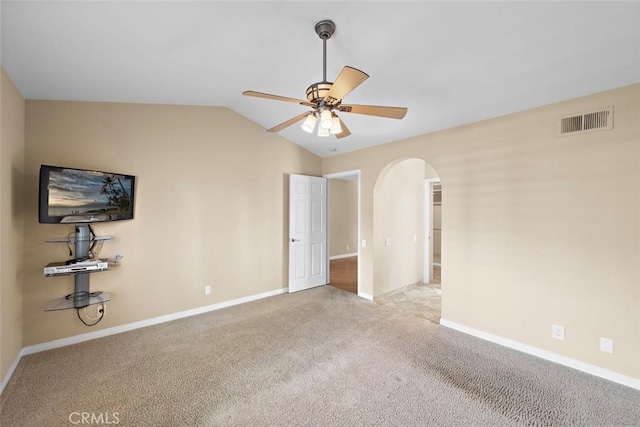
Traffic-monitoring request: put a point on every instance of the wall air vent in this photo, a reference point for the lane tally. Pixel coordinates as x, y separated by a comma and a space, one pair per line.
601, 119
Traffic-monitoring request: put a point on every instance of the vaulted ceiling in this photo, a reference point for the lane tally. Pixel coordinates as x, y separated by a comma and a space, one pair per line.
450, 63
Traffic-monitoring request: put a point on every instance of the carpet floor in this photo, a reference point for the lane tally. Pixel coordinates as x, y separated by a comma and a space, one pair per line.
322, 357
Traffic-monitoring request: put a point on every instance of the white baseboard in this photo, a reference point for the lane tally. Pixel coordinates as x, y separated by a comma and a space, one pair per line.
147, 322
131, 326
365, 296
12, 369
331, 258
547, 355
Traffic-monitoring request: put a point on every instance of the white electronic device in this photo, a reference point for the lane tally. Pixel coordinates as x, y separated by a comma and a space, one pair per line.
55, 268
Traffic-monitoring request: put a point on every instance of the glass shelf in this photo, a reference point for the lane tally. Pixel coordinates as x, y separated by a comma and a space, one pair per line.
72, 239
65, 303
74, 273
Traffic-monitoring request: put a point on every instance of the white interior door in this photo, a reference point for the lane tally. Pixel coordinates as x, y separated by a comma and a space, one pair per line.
307, 232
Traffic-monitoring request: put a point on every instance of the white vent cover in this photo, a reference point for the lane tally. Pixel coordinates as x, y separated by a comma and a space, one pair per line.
601, 119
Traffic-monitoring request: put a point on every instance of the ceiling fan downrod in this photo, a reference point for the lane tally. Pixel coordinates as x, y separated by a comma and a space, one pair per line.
317, 91
324, 30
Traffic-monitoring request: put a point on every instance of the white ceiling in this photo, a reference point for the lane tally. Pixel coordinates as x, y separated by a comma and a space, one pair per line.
450, 63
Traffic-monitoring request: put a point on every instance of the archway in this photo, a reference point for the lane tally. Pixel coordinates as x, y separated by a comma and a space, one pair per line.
403, 244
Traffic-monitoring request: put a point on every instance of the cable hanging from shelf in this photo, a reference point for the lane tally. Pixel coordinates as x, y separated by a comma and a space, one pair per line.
101, 311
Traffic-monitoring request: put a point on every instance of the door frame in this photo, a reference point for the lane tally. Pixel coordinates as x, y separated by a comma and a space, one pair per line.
357, 173
428, 227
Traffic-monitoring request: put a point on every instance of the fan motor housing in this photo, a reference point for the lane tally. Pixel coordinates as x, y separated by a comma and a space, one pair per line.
318, 91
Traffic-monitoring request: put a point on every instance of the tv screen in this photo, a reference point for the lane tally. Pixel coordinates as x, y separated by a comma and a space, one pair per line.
69, 195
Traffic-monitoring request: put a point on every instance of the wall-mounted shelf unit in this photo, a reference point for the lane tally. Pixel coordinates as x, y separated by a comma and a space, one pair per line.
81, 297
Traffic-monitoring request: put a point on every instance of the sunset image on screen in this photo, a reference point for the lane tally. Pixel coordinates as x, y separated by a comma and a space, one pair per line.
77, 192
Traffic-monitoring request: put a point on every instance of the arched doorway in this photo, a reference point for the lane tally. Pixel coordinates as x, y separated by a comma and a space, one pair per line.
403, 238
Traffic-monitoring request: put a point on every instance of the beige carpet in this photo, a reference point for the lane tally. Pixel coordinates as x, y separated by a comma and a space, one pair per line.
322, 357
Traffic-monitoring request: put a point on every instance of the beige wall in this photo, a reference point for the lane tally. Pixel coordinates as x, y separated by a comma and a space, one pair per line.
343, 217
512, 187
210, 208
12, 110
398, 201
430, 172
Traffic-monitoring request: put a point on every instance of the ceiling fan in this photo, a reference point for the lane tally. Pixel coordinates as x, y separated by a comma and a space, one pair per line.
325, 98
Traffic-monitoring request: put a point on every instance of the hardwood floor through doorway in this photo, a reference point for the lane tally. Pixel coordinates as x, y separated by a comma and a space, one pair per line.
344, 274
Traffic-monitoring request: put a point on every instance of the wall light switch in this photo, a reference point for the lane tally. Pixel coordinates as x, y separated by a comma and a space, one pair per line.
364, 243
387, 241
606, 345
415, 238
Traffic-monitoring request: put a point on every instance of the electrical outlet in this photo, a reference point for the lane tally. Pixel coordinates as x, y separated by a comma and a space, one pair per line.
117, 258
557, 332
364, 243
207, 290
606, 345
415, 238
347, 247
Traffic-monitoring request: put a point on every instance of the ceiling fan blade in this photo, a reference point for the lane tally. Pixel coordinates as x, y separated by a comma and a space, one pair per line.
375, 110
288, 123
345, 130
348, 79
277, 97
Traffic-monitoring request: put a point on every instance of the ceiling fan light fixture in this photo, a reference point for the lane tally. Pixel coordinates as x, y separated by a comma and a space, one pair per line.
336, 128
325, 97
309, 123
326, 121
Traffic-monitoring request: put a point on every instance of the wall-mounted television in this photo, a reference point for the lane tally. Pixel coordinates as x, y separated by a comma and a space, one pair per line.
69, 195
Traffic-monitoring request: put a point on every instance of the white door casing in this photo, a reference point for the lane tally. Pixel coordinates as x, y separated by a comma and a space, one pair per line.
307, 232
428, 228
